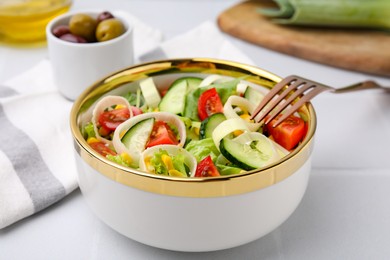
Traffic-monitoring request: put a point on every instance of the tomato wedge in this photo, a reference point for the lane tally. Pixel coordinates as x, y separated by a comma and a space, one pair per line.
206, 168
112, 118
161, 134
288, 133
136, 111
102, 148
209, 103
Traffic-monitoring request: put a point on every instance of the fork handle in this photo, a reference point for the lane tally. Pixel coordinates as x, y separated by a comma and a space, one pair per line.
369, 84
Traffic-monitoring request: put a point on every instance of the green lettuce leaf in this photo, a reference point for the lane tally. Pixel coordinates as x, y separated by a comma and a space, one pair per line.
178, 162
202, 148
158, 164
228, 170
135, 99
118, 159
88, 131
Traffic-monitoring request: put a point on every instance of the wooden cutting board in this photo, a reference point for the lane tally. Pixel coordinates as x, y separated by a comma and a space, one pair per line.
359, 50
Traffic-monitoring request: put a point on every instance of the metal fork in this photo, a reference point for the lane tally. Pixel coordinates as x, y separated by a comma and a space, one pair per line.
287, 91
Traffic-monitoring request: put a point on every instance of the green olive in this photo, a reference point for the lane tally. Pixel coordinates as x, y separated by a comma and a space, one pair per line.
83, 25
109, 29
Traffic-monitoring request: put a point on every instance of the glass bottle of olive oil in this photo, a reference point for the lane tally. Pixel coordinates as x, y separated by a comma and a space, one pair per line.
23, 22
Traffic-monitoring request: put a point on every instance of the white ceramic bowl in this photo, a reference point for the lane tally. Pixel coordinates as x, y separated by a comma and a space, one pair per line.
78, 65
189, 214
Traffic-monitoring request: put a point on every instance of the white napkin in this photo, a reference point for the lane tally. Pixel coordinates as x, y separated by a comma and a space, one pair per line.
36, 155
36, 148
204, 41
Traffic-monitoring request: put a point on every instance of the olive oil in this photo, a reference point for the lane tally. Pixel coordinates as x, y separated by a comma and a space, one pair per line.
23, 22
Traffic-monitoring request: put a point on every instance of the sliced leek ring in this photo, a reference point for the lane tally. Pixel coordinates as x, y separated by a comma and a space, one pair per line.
227, 127
101, 106
172, 150
125, 126
229, 111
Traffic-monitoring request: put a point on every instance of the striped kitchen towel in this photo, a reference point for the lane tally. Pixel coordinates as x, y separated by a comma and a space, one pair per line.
36, 154
37, 166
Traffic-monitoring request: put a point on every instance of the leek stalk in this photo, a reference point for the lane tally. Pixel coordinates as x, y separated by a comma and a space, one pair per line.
374, 14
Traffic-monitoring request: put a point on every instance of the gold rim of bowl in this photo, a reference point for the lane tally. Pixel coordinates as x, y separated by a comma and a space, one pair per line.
189, 187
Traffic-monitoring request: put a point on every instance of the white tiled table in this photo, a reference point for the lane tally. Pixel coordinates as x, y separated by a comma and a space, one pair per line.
345, 213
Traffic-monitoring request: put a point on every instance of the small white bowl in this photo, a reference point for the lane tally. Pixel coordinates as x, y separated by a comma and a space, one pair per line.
189, 214
78, 65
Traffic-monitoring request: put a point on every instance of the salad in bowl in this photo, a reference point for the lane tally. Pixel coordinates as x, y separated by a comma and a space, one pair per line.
192, 127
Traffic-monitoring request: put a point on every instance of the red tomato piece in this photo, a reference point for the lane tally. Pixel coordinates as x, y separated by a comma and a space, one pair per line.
206, 168
209, 103
288, 133
102, 148
161, 134
164, 92
136, 111
111, 119
104, 132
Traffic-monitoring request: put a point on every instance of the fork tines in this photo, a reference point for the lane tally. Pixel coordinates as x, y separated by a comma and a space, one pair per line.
275, 101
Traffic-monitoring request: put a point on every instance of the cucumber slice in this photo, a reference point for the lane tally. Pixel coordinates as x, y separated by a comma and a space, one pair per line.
254, 96
136, 137
209, 124
192, 82
175, 99
243, 155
